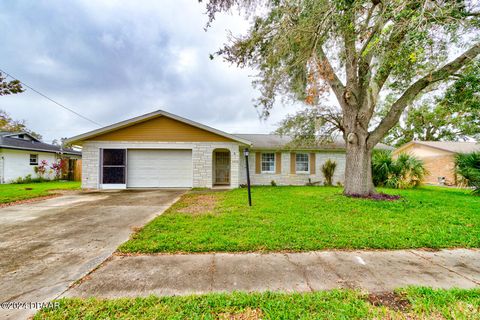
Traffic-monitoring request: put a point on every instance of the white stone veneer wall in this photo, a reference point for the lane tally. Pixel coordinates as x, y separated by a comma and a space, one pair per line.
286, 178
202, 157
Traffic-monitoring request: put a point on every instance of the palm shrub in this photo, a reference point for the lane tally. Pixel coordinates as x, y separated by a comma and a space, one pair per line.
382, 167
328, 170
404, 172
467, 165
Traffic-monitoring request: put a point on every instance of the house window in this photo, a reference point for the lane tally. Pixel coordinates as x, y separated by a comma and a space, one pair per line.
113, 166
34, 159
302, 163
268, 162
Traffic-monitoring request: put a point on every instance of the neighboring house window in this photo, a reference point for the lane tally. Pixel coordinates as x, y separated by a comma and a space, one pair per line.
301, 163
34, 159
268, 162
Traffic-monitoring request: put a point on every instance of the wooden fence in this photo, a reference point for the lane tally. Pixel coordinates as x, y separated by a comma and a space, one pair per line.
77, 170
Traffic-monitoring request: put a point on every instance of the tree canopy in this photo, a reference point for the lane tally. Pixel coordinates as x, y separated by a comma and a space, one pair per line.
452, 116
8, 124
361, 51
9, 87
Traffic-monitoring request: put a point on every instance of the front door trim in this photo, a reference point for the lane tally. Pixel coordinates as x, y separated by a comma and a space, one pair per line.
222, 167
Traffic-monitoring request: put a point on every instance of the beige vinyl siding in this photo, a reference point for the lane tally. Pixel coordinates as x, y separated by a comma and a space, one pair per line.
161, 129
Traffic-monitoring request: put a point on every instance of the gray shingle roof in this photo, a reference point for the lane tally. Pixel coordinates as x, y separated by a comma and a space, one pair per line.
275, 141
15, 143
452, 146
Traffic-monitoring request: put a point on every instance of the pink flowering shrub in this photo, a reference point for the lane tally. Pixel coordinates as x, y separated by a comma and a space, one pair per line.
57, 168
41, 169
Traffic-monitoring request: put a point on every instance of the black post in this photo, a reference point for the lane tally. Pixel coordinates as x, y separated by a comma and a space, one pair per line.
248, 179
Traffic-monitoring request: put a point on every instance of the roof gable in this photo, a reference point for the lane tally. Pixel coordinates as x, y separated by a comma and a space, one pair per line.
452, 146
161, 128
18, 135
158, 126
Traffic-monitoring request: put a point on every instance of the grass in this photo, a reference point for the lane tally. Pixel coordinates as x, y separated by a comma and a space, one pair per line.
412, 303
312, 218
15, 192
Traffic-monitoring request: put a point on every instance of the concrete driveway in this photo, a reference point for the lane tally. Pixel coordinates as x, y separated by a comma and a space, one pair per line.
46, 246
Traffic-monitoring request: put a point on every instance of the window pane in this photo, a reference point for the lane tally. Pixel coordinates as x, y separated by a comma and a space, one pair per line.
113, 175
114, 157
34, 159
268, 162
302, 167
301, 164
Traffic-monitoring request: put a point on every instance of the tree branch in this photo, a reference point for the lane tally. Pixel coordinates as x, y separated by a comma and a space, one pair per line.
349, 37
399, 106
331, 77
375, 29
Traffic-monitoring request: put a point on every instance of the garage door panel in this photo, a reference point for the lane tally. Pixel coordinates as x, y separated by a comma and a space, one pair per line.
159, 168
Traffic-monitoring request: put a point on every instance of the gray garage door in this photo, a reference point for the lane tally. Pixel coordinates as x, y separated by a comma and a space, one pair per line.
154, 168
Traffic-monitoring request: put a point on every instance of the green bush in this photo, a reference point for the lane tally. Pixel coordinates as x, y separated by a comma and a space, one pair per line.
467, 165
404, 172
28, 179
328, 170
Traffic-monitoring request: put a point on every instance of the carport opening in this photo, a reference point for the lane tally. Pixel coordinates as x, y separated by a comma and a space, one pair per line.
221, 167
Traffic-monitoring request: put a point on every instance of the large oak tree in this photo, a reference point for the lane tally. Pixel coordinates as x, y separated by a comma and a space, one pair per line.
359, 50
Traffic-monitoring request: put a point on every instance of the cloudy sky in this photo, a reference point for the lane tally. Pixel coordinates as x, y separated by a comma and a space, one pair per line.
111, 60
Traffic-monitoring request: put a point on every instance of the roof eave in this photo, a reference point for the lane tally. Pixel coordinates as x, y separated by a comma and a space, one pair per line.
401, 148
434, 147
38, 149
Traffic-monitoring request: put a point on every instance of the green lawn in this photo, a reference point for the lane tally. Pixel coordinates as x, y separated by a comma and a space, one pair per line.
312, 218
410, 303
16, 192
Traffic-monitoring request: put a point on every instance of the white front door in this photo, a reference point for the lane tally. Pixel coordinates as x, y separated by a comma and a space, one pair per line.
159, 168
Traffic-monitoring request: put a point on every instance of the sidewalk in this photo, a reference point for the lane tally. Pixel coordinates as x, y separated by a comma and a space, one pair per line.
374, 271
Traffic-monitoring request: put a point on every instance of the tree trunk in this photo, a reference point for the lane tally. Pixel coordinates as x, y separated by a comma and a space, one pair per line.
358, 170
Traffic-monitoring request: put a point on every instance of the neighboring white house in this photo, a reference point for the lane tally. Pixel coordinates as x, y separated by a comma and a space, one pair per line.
20, 153
160, 149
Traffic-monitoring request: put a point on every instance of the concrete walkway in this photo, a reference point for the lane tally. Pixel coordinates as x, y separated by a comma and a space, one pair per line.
374, 271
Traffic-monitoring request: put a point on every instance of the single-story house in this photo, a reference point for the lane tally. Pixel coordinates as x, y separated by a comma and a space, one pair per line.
20, 153
438, 157
160, 149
